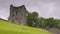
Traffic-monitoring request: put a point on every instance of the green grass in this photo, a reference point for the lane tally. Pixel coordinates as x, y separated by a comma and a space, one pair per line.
10, 28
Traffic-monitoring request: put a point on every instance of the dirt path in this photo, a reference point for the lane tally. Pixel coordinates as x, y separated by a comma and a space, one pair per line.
54, 30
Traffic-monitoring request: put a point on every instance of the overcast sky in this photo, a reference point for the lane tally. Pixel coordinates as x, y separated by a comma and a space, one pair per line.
45, 8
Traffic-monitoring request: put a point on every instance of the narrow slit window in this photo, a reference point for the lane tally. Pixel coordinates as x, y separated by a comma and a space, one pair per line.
16, 12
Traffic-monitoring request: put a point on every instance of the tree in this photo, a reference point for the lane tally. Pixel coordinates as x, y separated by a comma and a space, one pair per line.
29, 19
42, 22
32, 19
35, 19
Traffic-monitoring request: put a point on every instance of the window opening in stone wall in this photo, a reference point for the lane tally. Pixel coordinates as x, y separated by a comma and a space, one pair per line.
13, 15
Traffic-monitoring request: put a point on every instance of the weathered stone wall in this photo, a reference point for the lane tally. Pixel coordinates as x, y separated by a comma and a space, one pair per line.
18, 15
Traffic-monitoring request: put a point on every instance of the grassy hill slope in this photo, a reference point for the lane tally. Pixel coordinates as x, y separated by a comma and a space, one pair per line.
10, 28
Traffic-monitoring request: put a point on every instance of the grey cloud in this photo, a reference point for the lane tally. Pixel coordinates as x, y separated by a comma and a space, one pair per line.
45, 8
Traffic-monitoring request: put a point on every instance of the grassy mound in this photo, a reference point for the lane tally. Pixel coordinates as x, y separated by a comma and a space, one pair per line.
10, 28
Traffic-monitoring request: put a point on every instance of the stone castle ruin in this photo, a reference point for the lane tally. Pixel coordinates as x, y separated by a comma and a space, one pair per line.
18, 15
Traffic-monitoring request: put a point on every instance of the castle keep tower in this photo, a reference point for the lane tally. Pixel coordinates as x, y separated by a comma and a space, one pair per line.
18, 15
